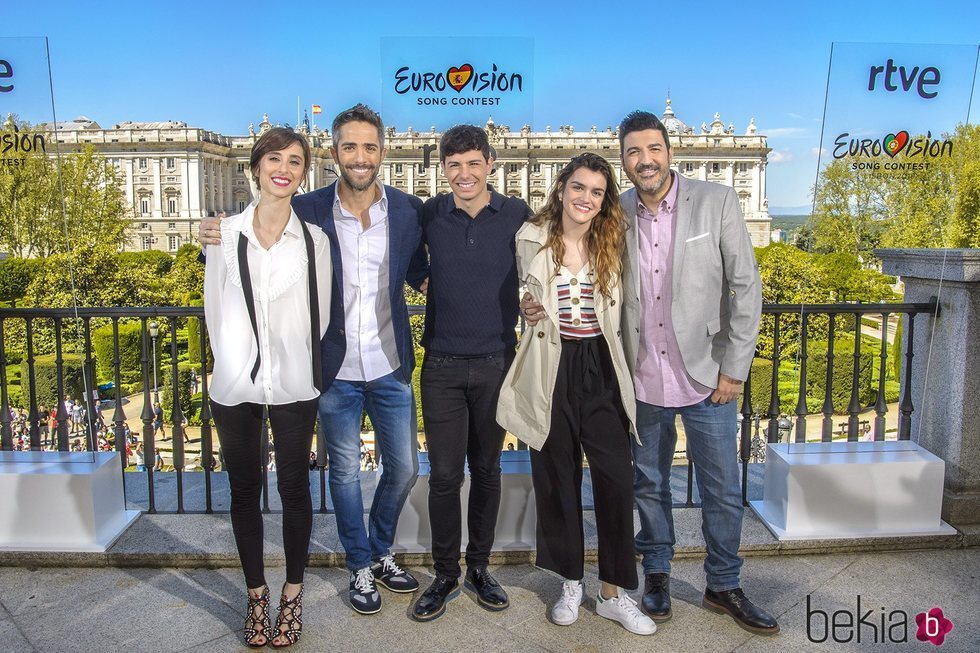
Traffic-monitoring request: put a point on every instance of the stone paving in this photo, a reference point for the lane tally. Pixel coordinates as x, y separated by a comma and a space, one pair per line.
193, 609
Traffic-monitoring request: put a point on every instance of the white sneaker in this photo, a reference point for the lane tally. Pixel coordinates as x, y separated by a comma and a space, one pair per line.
565, 610
623, 609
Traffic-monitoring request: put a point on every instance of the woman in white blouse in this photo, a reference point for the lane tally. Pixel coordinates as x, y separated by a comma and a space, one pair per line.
266, 293
569, 390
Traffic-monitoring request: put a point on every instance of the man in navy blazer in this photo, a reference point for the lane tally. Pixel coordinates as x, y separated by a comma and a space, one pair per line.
367, 352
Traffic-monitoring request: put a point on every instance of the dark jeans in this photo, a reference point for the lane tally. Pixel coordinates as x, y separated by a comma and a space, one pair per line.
459, 406
239, 431
586, 413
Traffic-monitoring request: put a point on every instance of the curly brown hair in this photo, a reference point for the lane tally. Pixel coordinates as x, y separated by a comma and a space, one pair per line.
607, 232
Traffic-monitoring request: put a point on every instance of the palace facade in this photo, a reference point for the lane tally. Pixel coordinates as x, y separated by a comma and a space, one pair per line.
174, 175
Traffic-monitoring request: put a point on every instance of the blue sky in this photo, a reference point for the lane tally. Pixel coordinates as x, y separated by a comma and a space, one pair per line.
221, 65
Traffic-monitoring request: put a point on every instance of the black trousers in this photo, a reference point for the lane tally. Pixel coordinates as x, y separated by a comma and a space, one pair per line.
586, 413
239, 432
459, 407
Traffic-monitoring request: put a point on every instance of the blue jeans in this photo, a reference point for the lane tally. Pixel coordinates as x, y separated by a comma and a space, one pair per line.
391, 406
712, 441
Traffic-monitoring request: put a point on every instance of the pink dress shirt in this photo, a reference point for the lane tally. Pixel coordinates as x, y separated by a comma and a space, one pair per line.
660, 377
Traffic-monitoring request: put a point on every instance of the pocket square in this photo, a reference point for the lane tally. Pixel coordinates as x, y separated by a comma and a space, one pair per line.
699, 237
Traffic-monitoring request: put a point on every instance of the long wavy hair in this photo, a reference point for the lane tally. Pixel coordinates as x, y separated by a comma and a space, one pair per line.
607, 232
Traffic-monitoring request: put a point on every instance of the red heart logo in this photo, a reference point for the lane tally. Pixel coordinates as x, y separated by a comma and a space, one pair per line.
459, 76
895, 142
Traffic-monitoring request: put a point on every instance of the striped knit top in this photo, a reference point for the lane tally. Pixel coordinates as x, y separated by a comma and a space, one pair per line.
576, 307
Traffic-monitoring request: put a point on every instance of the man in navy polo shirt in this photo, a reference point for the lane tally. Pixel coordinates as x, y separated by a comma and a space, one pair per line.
470, 320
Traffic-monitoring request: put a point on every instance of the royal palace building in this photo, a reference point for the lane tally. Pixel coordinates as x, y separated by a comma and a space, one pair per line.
173, 175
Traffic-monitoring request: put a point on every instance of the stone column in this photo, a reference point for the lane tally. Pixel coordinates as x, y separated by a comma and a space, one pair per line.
945, 366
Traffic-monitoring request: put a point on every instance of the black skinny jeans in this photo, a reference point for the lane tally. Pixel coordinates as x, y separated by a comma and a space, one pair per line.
239, 432
459, 403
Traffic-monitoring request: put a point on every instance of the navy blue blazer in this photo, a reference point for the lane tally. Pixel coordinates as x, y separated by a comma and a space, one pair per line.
404, 237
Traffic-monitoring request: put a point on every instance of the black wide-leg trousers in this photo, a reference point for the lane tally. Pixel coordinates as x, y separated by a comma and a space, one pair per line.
239, 432
586, 414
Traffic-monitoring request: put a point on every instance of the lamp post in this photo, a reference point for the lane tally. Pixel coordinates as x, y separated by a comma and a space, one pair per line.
154, 332
785, 427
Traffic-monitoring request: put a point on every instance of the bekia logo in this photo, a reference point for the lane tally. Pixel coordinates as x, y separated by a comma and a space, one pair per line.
880, 626
933, 626
459, 78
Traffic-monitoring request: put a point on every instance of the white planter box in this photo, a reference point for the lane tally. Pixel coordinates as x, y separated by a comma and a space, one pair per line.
830, 490
516, 520
61, 501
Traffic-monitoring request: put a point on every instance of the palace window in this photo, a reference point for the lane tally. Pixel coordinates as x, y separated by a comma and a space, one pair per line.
536, 168
715, 168
688, 167
171, 225
147, 242
142, 163
172, 205
144, 205
171, 162
173, 242
398, 168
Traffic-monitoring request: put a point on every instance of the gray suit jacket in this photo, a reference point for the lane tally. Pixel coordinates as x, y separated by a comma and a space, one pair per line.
717, 293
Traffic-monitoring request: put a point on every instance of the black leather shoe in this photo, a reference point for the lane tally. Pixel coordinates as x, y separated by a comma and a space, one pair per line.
433, 601
747, 615
656, 597
489, 593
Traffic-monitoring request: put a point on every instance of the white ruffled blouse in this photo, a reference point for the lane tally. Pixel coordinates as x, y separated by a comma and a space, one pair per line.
282, 311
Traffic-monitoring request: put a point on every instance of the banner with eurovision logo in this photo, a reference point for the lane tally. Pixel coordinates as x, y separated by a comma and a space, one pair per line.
896, 128
448, 81
25, 110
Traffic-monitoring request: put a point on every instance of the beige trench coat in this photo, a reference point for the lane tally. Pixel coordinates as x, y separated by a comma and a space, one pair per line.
524, 407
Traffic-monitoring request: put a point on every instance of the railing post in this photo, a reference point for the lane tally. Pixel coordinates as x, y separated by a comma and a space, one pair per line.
149, 442
61, 411
801, 410
118, 413
207, 448
827, 431
177, 417
880, 406
854, 408
35, 434
774, 394
6, 433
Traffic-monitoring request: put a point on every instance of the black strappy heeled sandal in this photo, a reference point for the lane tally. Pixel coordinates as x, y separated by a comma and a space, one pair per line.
260, 624
290, 616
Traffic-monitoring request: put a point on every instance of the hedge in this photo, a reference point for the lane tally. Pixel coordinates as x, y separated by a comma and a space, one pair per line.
46, 378
194, 339
130, 353
843, 373
183, 389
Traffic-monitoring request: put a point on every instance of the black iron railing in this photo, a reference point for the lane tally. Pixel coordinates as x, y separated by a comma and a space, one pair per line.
57, 321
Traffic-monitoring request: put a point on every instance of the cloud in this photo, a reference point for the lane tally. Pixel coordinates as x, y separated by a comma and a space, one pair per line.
794, 115
780, 156
784, 131
819, 151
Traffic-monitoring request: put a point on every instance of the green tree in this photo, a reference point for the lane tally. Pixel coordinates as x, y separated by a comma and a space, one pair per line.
34, 222
849, 211
185, 280
16, 275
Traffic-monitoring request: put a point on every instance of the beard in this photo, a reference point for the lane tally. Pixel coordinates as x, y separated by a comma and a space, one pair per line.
653, 185
356, 185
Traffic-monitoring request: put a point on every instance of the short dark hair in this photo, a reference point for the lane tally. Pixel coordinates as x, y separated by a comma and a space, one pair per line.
464, 138
277, 138
637, 121
358, 113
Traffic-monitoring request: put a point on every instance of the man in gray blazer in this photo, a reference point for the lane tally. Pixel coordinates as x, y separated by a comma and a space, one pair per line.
692, 303
692, 300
